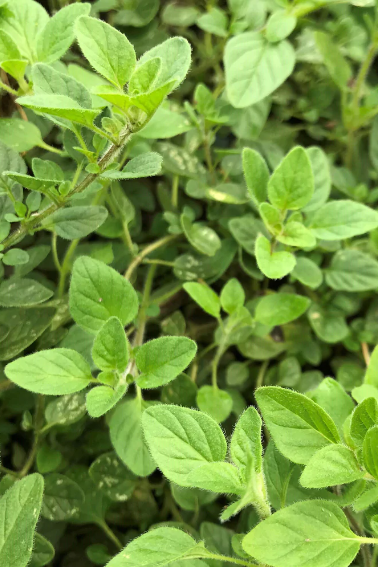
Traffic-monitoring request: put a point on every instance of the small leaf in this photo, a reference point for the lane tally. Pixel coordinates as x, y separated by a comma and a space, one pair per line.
255, 68
337, 220
232, 296
307, 272
110, 348
58, 34
107, 49
246, 447
291, 185
19, 135
338, 67
112, 477
298, 425
182, 439
330, 466
145, 165
370, 451
215, 402
101, 399
98, 292
206, 298
281, 308
304, 533
274, 265
19, 511
77, 222
353, 271
175, 55
52, 372
364, 417
161, 360
256, 175
62, 498
201, 237
127, 437
280, 25
156, 548
23, 292
216, 477
60, 106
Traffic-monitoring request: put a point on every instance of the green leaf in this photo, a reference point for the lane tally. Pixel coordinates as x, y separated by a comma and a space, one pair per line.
371, 376
156, 548
305, 533
60, 106
201, 237
175, 55
62, 498
246, 447
19, 135
307, 272
291, 185
274, 265
127, 437
322, 178
331, 396
52, 372
23, 292
107, 50
281, 308
165, 124
161, 360
98, 292
256, 175
8, 48
298, 425
66, 410
25, 22
15, 257
280, 25
343, 219
353, 271
296, 234
144, 77
112, 477
331, 466
206, 298
215, 402
24, 326
101, 399
148, 102
73, 223
217, 477
232, 296
58, 34
370, 451
32, 183
214, 21
364, 417
110, 347
145, 165
19, 510
43, 552
182, 439
337, 65
255, 68
329, 325
48, 81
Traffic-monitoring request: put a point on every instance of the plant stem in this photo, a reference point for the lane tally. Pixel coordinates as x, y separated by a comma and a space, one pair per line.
261, 374
366, 353
109, 157
54, 250
175, 189
127, 237
8, 89
50, 148
111, 535
38, 421
140, 257
65, 269
222, 558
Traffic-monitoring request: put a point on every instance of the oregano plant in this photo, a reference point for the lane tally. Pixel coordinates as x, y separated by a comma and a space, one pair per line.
188, 279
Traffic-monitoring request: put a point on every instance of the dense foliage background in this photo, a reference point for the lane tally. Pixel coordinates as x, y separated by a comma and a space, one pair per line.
233, 185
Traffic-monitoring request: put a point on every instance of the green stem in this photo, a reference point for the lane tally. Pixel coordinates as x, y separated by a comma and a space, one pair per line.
8, 89
141, 256
38, 421
111, 535
66, 266
51, 148
261, 374
54, 250
109, 157
175, 189
223, 558
128, 240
